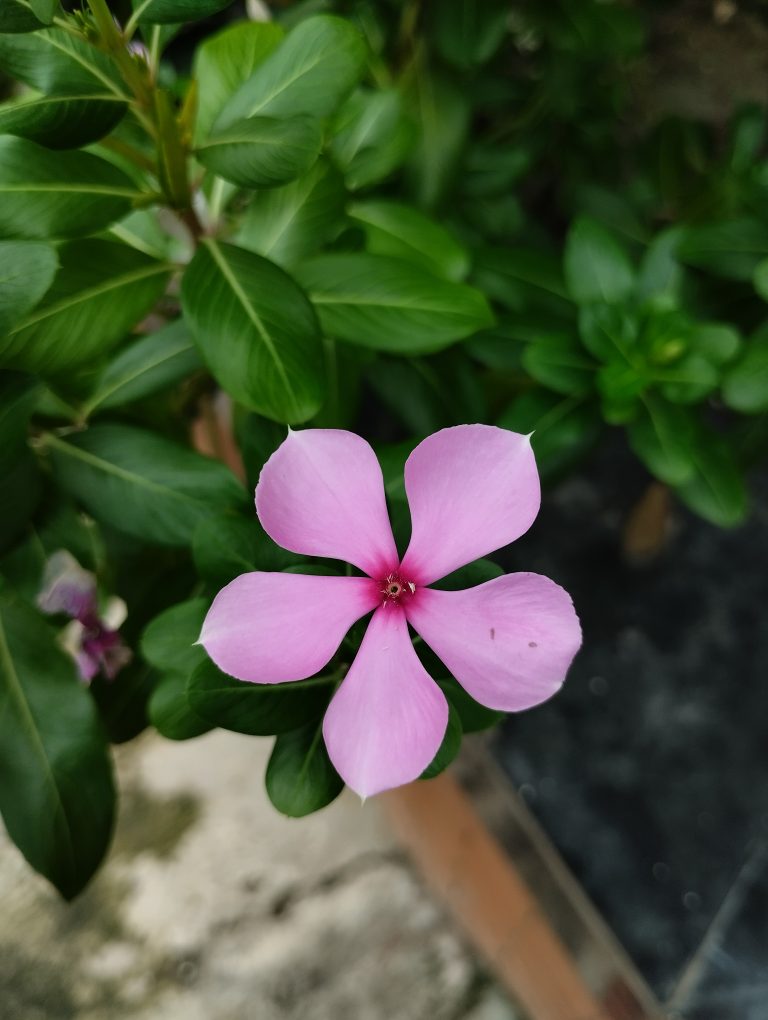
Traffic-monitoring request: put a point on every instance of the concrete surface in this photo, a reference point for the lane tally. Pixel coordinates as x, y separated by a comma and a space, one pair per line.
214, 907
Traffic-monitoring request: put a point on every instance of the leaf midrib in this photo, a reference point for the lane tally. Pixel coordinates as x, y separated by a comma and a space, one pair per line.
252, 315
17, 692
92, 292
125, 380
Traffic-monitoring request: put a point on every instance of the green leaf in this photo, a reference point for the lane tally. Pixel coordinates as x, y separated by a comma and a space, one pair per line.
164, 12
287, 224
443, 113
145, 366
169, 642
21, 487
56, 790
391, 305
716, 491
18, 16
257, 438
470, 575
101, 290
141, 483
300, 778
225, 60
371, 137
466, 33
53, 61
71, 194
395, 229
256, 331
557, 361
473, 717
663, 436
310, 72
169, 711
608, 333
718, 342
44, 9
262, 152
256, 709
18, 396
689, 380
27, 270
564, 429
745, 384
596, 266
731, 248
62, 122
448, 749
522, 279
225, 546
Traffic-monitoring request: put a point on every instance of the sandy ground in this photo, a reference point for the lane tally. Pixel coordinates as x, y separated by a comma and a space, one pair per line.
214, 907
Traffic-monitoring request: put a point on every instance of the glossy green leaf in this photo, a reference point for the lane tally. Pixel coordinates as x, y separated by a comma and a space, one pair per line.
27, 269
564, 428
256, 709
62, 122
164, 12
399, 230
467, 33
287, 224
718, 342
391, 305
225, 546
448, 749
596, 266
372, 138
745, 385
663, 436
19, 16
472, 716
716, 490
310, 72
169, 711
69, 195
56, 790
256, 331
443, 113
729, 248
257, 439
141, 483
169, 642
53, 61
18, 396
688, 380
21, 486
44, 9
262, 152
227, 59
300, 778
101, 290
608, 333
558, 361
145, 366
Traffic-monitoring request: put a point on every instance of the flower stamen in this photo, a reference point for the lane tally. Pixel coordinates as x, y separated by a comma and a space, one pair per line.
393, 587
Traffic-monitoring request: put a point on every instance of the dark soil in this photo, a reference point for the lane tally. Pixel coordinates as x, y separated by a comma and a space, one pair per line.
650, 769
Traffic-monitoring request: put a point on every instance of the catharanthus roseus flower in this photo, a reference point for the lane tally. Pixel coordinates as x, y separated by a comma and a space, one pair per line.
92, 638
509, 642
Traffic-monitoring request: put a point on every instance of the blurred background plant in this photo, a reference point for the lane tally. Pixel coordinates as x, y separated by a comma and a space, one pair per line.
379, 215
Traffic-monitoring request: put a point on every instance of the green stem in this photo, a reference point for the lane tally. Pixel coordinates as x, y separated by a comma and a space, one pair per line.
171, 152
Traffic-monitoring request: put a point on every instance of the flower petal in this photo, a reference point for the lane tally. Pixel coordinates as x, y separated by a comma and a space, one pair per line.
471, 489
270, 628
321, 493
386, 722
509, 642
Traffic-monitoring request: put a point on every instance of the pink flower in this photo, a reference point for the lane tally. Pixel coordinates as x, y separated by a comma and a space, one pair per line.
70, 590
509, 642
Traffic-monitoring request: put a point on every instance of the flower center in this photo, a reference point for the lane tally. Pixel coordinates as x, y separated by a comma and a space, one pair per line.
394, 587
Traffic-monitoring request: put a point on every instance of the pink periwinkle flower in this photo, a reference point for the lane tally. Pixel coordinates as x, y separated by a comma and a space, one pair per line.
70, 590
508, 642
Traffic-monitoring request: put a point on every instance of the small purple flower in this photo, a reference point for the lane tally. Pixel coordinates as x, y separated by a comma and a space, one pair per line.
471, 489
94, 644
